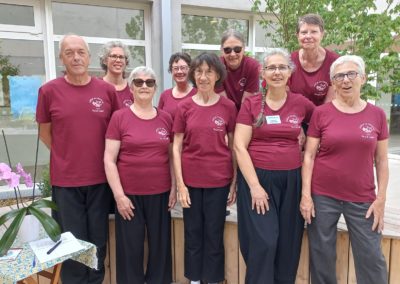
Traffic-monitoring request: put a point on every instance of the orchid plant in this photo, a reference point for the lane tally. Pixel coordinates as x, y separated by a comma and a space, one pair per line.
33, 207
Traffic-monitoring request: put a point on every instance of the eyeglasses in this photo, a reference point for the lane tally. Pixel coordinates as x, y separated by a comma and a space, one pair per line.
273, 68
139, 82
208, 73
114, 57
182, 68
236, 49
351, 75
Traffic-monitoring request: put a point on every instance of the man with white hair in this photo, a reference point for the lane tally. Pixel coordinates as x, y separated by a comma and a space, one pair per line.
73, 112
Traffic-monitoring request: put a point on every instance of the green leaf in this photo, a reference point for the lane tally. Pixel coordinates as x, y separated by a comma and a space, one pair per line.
49, 224
9, 215
44, 203
9, 236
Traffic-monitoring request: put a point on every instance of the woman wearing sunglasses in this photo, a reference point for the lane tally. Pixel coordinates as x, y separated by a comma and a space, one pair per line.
242, 78
114, 58
179, 67
270, 225
205, 169
311, 77
137, 164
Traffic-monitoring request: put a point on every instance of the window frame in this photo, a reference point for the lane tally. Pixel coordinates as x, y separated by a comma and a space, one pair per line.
36, 29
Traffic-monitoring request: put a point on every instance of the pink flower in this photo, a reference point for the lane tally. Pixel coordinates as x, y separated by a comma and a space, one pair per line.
5, 171
13, 181
27, 177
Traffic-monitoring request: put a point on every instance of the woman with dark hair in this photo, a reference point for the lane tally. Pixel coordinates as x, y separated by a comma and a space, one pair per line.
179, 68
114, 58
205, 169
137, 164
311, 77
242, 78
269, 182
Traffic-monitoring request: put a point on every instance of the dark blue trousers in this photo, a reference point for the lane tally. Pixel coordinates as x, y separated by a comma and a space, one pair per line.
271, 243
84, 212
204, 224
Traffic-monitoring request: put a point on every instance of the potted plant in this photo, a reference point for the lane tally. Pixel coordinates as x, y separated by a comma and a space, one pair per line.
33, 207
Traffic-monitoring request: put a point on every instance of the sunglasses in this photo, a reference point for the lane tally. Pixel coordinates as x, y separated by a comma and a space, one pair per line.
139, 82
236, 49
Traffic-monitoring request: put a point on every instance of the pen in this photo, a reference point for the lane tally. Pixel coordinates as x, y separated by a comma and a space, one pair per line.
54, 247
34, 261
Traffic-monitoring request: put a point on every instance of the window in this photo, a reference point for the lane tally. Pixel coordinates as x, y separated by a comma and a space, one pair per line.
20, 16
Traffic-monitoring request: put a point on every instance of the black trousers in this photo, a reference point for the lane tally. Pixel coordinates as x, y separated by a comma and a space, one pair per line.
84, 212
204, 225
151, 216
271, 243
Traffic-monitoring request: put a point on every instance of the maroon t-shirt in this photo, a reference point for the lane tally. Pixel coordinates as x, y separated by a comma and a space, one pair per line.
274, 145
169, 103
143, 159
79, 117
243, 79
125, 97
312, 85
206, 158
343, 167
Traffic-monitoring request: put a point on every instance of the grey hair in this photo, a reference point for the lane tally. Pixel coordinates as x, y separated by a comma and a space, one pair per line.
106, 49
141, 70
279, 51
61, 42
260, 119
232, 33
357, 60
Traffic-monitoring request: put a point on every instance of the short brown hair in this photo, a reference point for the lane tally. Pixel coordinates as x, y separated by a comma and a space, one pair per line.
311, 19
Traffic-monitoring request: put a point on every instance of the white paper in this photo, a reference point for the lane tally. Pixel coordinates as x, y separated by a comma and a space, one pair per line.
69, 244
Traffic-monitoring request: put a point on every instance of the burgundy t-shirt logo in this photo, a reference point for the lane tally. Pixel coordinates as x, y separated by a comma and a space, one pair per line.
97, 103
367, 130
163, 133
219, 122
321, 87
293, 120
127, 102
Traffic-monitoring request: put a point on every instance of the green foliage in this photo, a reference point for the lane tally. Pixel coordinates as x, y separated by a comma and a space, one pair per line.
352, 27
6, 69
49, 224
45, 186
135, 30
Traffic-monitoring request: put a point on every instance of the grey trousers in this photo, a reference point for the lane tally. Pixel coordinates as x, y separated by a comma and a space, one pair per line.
369, 262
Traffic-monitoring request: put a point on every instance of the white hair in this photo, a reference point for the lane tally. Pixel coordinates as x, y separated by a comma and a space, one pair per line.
61, 42
357, 60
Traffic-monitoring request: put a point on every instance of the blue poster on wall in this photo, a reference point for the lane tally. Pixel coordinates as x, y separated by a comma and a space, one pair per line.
23, 95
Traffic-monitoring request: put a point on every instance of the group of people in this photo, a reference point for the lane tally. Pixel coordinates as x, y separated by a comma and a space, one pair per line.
214, 139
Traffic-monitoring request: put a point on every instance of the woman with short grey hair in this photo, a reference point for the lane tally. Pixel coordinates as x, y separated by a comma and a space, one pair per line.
137, 163
345, 139
114, 58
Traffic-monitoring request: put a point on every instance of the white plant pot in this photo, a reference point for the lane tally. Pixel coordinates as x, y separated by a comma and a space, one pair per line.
29, 230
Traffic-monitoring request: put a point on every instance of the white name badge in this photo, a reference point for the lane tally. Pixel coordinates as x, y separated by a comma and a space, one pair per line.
273, 119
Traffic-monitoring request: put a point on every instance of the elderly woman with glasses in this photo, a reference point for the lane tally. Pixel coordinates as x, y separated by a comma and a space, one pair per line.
242, 78
114, 59
205, 169
346, 138
179, 67
137, 164
269, 181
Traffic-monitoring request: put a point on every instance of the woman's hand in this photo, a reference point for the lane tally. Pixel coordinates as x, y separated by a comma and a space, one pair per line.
183, 196
232, 194
125, 207
172, 199
259, 199
377, 208
307, 208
